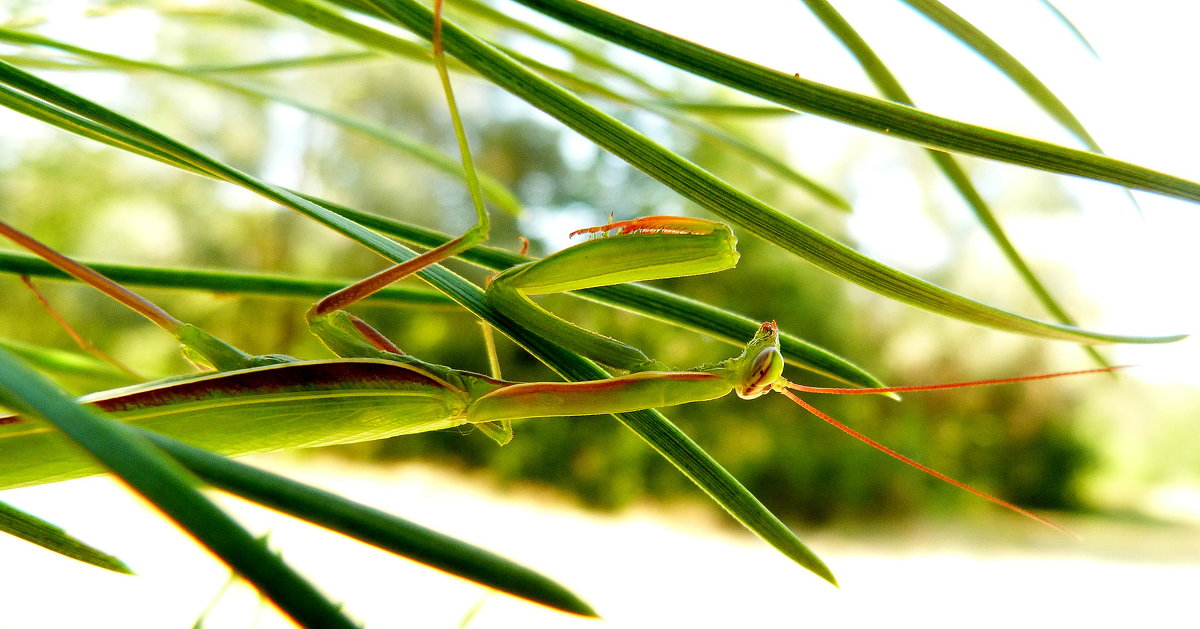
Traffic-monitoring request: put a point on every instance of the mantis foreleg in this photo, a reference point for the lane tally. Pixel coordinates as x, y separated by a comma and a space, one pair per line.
646, 249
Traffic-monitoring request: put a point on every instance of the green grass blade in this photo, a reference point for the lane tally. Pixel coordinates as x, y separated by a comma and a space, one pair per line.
372, 526
714, 194
79, 125
38, 531
891, 119
84, 373
725, 109
169, 487
764, 160
977, 40
495, 191
579, 53
1070, 27
598, 61
673, 111
275, 65
220, 281
708, 475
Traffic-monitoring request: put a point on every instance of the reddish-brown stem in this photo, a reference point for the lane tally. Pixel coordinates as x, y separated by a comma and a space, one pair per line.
436, 40
947, 385
375, 283
373, 336
924, 468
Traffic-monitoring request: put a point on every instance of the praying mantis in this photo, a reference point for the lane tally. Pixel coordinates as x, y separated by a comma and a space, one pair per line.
375, 390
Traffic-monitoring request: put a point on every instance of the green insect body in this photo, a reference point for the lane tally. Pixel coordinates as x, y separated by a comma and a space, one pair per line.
263, 403
376, 393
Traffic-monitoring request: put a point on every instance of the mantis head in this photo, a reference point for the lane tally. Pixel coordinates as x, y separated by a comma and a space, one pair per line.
765, 367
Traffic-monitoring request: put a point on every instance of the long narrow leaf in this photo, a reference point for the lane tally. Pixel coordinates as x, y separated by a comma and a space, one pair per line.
673, 111
86, 373
891, 119
220, 281
306, 61
581, 54
38, 531
169, 487
1070, 26
372, 526
495, 191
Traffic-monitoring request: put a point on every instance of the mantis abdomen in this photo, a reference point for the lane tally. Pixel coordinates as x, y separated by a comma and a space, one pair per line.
302, 404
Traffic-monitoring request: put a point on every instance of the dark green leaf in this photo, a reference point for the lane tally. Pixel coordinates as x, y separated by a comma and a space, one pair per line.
38, 531
169, 487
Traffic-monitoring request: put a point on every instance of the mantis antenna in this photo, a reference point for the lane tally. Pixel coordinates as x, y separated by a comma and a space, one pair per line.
786, 388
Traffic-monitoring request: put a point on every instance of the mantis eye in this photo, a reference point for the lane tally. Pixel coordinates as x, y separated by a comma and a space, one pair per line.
767, 368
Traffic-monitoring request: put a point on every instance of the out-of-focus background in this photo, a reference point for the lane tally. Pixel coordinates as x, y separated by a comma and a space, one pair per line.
583, 499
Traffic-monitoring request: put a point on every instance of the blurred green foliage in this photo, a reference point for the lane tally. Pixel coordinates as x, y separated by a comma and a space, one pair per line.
1017, 442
